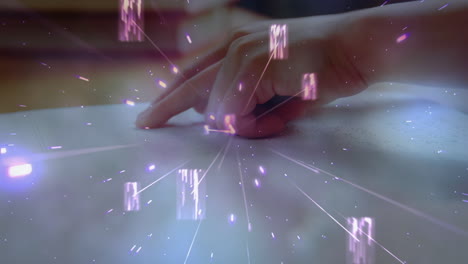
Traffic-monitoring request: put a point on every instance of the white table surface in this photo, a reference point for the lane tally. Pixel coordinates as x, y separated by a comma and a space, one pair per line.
400, 154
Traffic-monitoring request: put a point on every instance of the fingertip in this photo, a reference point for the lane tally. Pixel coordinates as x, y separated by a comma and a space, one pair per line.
150, 118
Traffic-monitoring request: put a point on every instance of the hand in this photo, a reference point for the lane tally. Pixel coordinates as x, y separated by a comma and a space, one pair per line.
239, 78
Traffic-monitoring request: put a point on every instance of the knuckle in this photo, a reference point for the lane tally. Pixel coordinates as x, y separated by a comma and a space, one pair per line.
240, 46
239, 32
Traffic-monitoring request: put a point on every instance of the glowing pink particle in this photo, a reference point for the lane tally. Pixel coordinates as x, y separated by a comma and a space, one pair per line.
82, 78
232, 218
240, 87
129, 102
162, 84
20, 170
138, 250
190, 195
207, 129
362, 250
402, 38
189, 40
55, 147
261, 169
131, 21
309, 86
175, 70
131, 197
3, 150
229, 124
257, 183
279, 41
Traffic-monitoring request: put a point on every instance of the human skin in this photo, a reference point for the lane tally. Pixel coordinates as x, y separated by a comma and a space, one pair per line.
347, 52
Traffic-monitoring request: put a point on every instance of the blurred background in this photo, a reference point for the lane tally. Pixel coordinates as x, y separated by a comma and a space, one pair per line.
64, 53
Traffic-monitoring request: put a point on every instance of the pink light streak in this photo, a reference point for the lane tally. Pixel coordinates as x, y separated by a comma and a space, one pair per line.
402, 38
189, 40
131, 20
131, 197
361, 252
82, 78
129, 102
229, 123
190, 195
55, 147
309, 86
279, 41
162, 84
261, 169
257, 183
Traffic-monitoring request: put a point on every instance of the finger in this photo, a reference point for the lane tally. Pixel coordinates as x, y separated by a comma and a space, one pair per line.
188, 95
207, 60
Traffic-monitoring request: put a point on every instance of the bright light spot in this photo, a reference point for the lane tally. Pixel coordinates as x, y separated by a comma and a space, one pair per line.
232, 218
261, 169
55, 147
131, 21
82, 78
229, 123
3, 150
212, 117
151, 167
191, 195
20, 170
240, 87
131, 196
273, 235
187, 36
129, 102
402, 38
162, 84
207, 129
175, 70
257, 183
309, 86
279, 41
